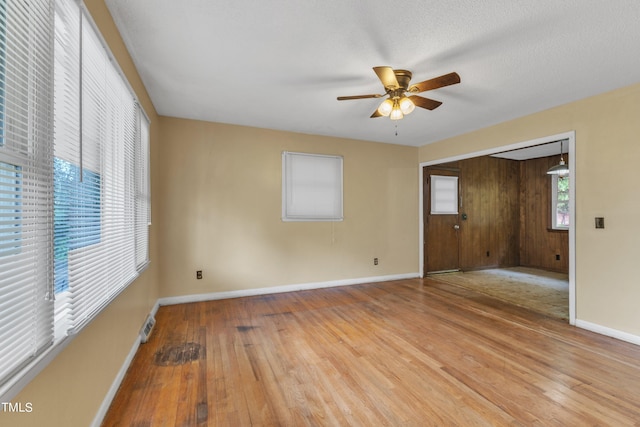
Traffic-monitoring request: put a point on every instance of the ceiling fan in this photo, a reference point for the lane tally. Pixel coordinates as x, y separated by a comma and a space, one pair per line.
396, 85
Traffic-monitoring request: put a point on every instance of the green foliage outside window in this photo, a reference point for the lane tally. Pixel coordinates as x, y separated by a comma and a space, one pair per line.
562, 202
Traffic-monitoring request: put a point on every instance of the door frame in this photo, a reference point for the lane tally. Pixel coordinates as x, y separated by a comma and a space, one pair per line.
571, 136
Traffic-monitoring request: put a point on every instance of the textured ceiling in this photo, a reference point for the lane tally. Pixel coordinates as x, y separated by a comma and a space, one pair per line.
280, 64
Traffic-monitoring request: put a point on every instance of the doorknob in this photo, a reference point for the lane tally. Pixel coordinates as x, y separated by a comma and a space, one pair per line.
456, 227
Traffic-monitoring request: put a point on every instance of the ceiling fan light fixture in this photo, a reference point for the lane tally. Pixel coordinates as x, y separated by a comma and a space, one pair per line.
396, 88
396, 112
386, 107
406, 105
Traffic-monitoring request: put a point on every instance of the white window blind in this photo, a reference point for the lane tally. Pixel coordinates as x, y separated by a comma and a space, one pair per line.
26, 202
311, 187
101, 159
74, 183
444, 195
143, 191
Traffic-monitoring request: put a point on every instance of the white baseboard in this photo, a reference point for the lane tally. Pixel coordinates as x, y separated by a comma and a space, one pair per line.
106, 402
280, 289
603, 330
115, 385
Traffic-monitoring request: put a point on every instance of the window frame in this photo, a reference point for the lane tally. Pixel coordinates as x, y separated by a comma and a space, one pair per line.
444, 195
314, 192
554, 202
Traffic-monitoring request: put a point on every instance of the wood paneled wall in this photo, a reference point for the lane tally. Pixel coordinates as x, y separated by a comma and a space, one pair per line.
539, 244
489, 195
507, 205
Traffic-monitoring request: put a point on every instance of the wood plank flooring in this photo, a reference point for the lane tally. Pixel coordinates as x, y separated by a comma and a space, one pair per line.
403, 353
538, 290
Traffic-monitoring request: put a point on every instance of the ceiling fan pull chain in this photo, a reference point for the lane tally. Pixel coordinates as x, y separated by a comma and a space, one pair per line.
396, 128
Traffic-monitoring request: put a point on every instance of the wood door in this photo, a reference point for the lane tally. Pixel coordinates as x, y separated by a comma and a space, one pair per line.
441, 230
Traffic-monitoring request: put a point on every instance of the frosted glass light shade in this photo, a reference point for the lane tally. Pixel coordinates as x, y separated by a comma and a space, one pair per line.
386, 107
406, 105
396, 113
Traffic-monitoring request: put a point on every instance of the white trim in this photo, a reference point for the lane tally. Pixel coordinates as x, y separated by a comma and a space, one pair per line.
610, 332
572, 228
115, 385
108, 398
571, 136
280, 289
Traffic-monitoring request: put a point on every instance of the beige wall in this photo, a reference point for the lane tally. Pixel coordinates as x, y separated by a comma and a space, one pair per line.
221, 210
70, 390
607, 174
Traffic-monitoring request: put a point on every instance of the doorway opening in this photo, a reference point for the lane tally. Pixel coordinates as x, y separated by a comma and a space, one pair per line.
525, 148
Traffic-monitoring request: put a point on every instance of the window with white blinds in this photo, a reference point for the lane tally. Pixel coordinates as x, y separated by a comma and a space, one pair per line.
26, 182
74, 178
101, 174
311, 187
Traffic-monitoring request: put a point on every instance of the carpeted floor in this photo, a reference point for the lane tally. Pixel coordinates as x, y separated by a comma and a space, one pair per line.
538, 290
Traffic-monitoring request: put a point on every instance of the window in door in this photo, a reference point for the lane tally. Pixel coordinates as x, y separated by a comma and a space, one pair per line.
444, 195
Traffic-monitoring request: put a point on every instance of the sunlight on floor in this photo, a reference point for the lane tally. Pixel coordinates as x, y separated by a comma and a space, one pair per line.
538, 290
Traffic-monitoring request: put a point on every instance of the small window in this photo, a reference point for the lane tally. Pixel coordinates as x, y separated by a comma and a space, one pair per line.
560, 202
444, 195
311, 187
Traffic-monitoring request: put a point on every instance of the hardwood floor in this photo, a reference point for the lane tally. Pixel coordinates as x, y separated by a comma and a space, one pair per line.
541, 291
403, 353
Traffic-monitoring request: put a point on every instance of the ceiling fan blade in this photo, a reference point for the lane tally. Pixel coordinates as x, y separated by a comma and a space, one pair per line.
346, 98
427, 103
375, 114
387, 77
435, 83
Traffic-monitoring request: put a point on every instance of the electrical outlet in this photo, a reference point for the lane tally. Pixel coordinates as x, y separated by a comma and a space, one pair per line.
375, 261
199, 274
599, 222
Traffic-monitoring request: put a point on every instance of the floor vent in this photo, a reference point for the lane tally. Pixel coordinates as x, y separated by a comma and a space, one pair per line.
147, 328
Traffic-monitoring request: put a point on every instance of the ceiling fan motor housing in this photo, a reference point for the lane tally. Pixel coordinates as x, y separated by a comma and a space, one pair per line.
403, 77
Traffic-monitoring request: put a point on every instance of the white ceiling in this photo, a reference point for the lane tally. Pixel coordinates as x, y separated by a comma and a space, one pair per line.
547, 149
280, 64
